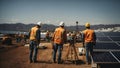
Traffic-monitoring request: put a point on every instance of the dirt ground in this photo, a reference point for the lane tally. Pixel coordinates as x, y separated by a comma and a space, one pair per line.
16, 56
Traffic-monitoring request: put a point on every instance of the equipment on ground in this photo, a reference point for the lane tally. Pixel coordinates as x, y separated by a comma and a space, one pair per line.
71, 52
81, 51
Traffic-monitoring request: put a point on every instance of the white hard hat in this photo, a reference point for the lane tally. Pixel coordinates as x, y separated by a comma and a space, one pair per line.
39, 23
61, 23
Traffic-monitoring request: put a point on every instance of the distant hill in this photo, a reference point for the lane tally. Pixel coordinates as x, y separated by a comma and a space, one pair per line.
50, 27
24, 27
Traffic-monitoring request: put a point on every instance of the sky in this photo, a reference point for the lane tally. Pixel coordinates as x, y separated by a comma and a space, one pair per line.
55, 11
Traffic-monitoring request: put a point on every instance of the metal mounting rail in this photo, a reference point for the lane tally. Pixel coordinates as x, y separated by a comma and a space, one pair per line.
114, 56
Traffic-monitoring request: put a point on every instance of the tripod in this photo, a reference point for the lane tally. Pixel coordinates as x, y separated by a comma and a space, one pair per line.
71, 52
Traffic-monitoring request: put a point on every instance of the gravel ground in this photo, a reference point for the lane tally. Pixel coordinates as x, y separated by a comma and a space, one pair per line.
16, 56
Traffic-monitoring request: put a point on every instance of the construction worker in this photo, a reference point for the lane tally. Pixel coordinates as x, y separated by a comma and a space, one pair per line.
59, 38
89, 39
25, 37
47, 36
34, 36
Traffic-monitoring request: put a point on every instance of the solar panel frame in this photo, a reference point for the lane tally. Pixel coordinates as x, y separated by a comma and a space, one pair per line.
117, 55
118, 43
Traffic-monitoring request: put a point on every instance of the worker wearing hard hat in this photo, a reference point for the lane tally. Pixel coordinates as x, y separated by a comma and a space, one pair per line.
89, 39
59, 38
34, 36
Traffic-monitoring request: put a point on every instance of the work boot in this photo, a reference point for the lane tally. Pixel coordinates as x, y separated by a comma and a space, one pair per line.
34, 61
59, 62
30, 61
54, 61
87, 63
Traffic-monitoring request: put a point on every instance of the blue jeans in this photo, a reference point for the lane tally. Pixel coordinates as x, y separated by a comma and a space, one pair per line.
59, 48
33, 51
89, 51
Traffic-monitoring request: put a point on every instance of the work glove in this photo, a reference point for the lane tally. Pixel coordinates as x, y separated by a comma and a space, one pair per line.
52, 43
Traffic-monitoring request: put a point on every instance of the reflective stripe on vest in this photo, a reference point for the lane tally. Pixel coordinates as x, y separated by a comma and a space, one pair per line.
58, 35
33, 33
88, 35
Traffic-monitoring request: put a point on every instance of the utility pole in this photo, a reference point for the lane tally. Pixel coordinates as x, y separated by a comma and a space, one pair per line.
76, 26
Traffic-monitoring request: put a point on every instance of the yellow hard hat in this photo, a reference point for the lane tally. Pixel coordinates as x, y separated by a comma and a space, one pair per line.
87, 24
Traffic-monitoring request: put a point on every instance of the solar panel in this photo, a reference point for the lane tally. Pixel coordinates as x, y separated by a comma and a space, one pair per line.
117, 54
99, 34
106, 47
115, 38
103, 39
103, 57
119, 43
112, 33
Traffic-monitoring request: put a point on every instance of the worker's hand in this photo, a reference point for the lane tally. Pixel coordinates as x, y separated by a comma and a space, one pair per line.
52, 39
52, 44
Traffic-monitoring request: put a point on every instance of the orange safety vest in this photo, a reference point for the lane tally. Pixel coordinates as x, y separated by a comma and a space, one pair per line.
88, 35
59, 35
33, 33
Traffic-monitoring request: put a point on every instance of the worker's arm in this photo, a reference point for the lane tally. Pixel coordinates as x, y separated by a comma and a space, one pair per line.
65, 36
38, 35
52, 41
29, 34
83, 39
53, 36
94, 38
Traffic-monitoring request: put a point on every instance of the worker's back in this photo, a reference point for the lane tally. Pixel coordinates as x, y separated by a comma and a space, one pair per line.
89, 35
33, 33
58, 35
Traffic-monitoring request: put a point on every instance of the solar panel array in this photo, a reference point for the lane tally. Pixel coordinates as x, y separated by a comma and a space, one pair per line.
104, 57
107, 48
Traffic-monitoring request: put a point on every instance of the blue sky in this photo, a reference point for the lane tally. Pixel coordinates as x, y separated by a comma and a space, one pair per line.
54, 11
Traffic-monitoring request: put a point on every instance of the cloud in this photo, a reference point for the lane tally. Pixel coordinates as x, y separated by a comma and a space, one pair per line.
9, 20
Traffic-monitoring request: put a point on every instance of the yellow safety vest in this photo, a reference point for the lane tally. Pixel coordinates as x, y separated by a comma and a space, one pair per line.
88, 35
33, 33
